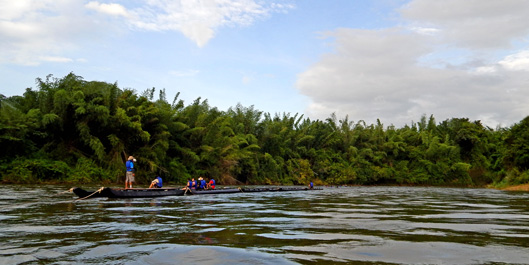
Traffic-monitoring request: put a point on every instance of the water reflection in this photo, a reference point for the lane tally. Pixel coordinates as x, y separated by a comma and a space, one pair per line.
395, 225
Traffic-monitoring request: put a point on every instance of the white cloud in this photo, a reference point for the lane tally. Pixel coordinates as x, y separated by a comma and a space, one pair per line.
15, 9
110, 9
473, 24
31, 30
56, 59
197, 20
487, 69
518, 61
399, 74
425, 31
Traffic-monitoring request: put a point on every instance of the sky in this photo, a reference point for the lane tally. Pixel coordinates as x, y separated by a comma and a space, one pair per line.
392, 60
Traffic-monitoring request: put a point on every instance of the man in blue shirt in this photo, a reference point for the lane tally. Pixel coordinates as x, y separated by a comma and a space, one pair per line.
201, 184
129, 176
156, 183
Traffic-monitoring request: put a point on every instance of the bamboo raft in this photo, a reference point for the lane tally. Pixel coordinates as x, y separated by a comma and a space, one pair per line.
162, 192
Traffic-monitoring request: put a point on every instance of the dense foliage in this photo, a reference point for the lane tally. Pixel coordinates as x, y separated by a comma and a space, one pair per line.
72, 130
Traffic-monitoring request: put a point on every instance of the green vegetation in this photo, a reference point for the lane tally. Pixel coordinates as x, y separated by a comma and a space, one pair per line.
77, 131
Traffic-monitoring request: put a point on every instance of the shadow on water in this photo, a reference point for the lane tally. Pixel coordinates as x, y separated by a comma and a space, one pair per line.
361, 225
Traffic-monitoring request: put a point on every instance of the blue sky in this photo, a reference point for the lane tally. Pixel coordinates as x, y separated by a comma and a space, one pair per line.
392, 60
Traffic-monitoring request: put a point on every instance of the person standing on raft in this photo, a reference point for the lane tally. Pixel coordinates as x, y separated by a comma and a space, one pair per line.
129, 175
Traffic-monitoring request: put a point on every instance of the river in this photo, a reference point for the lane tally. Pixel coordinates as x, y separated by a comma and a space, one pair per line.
353, 225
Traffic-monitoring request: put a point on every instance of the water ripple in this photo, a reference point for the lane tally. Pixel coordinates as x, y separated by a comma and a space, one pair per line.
391, 225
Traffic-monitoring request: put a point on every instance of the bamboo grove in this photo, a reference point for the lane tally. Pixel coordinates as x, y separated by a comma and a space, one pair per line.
74, 131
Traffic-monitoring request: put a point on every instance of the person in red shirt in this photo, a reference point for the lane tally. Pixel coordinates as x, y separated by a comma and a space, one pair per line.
211, 184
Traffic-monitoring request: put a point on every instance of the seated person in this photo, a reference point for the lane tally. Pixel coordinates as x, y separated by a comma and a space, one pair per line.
156, 183
211, 184
193, 184
201, 184
188, 185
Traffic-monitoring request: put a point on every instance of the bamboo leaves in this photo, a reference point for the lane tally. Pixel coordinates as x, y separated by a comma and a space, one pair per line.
93, 126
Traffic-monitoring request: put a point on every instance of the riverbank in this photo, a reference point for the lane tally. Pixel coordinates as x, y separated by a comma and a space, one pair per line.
523, 187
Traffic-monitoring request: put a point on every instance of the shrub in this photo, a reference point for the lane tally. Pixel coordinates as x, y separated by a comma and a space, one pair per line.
25, 171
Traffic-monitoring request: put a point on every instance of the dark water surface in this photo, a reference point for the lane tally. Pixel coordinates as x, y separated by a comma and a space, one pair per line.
358, 225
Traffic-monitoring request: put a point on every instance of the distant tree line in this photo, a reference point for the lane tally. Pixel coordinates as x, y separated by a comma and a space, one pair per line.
74, 131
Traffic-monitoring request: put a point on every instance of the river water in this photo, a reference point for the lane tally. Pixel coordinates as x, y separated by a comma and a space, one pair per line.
354, 225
